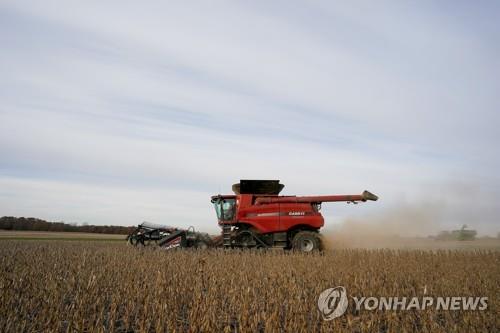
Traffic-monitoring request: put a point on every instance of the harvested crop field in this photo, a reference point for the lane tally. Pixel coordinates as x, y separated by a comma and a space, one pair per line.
84, 286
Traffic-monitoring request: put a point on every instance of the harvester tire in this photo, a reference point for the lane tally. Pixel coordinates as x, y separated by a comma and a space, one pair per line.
306, 241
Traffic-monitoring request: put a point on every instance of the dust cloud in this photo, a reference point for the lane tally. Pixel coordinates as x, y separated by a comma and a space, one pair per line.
395, 227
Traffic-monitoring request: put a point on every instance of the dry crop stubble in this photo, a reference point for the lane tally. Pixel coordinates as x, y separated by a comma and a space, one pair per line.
94, 286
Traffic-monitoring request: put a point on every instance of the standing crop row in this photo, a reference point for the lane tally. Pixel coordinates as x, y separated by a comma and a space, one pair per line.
101, 287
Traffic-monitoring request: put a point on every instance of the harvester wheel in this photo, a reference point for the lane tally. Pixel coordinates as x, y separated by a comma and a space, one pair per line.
306, 241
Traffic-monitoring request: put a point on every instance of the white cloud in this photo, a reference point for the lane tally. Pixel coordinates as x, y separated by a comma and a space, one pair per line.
159, 98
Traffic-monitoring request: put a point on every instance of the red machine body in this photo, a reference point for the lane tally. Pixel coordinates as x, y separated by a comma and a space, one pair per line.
267, 219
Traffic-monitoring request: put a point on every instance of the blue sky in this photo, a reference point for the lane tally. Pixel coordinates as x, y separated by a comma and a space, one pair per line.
116, 112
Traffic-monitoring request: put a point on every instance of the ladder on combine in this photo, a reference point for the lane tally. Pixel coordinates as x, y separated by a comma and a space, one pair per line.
280, 240
226, 235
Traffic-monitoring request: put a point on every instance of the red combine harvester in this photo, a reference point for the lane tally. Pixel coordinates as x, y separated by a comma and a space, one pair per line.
257, 217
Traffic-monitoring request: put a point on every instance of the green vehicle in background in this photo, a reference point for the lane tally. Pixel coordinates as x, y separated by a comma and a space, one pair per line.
462, 234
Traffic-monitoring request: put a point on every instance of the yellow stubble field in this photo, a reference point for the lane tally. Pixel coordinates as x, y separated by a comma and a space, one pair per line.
88, 286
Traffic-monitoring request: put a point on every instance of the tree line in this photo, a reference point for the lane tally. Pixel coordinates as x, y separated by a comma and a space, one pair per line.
34, 224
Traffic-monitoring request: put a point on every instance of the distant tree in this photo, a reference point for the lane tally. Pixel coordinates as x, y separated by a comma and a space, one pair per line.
34, 224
